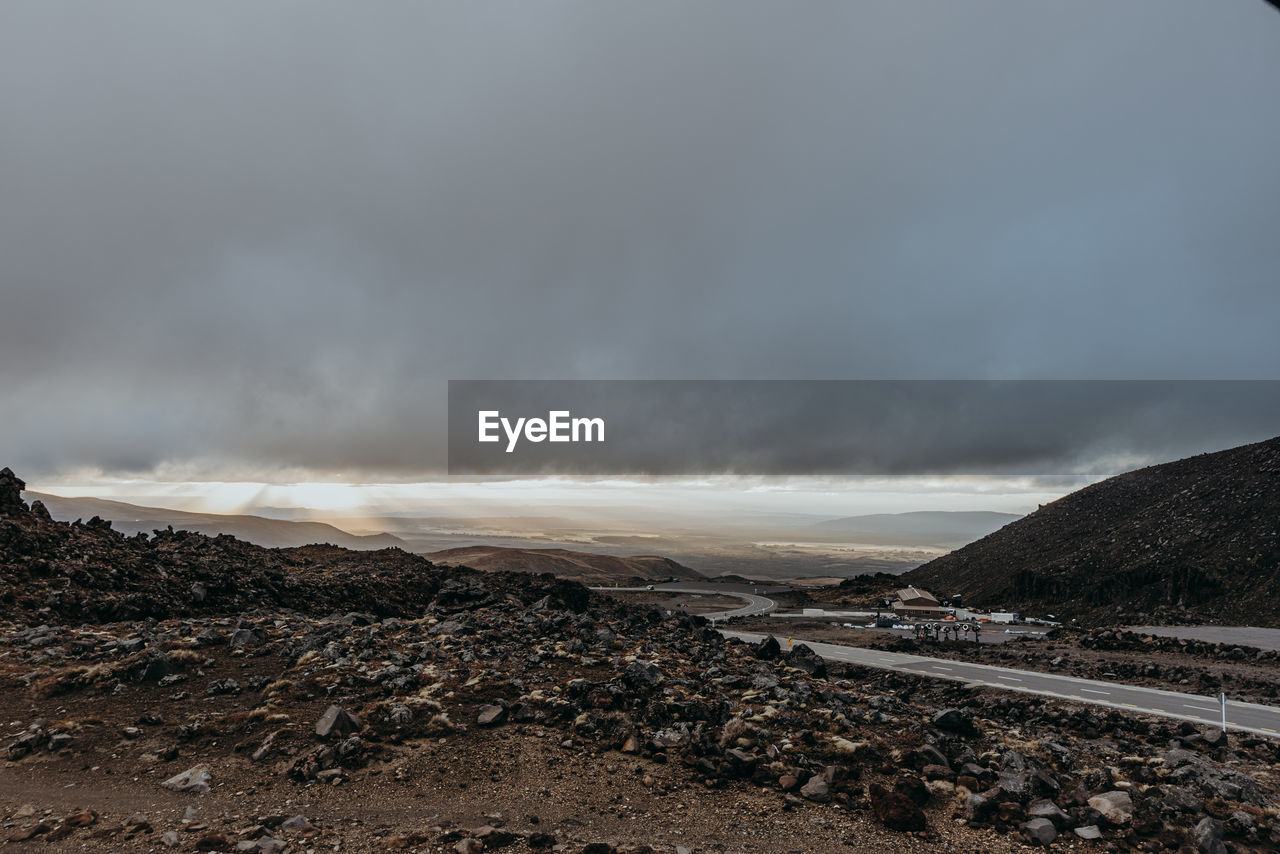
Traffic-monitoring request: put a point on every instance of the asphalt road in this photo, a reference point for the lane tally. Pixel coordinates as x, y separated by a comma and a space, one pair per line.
755, 606
1252, 717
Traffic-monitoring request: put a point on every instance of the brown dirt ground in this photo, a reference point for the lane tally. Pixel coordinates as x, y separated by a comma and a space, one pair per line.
517, 774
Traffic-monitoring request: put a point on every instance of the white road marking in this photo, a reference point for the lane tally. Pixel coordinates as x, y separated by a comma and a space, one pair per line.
1009, 678
1199, 708
940, 667
1092, 691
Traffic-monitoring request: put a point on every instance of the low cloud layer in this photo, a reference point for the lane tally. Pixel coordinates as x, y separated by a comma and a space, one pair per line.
247, 236
1022, 427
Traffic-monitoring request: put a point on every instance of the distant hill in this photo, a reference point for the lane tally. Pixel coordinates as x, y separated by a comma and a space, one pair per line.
1192, 540
588, 568
918, 528
271, 533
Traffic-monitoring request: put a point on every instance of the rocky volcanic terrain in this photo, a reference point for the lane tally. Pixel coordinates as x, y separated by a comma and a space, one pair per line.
194, 694
1197, 540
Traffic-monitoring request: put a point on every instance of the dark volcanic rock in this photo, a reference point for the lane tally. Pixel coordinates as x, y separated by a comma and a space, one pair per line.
914, 788
11, 486
803, 658
1207, 837
337, 722
1040, 830
768, 649
895, 810
641, 675
955, 721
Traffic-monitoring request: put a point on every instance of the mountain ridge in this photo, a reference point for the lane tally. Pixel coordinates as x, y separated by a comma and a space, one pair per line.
1193, 540
264, 531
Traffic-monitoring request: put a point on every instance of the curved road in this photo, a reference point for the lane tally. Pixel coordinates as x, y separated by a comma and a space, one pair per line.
1264, 720
755, 604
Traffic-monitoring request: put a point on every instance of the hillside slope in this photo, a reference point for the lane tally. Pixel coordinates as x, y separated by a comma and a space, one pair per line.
1192, 540
562, 563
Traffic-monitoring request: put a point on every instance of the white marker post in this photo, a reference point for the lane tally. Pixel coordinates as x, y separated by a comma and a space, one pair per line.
1222, 698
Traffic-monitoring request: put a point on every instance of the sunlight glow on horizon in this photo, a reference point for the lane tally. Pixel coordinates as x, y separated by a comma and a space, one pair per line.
363, 504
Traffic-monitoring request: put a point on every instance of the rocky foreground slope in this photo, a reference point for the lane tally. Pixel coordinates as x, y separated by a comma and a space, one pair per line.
1192, 540
469, 712
90, 572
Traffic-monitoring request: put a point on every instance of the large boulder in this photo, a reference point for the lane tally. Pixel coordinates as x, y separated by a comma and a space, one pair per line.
336, 722
1214, 737
1207, 837
803, 658
641, 675
768, 649
914, 788
1185, 768
954, 721
1180, 800
11, 486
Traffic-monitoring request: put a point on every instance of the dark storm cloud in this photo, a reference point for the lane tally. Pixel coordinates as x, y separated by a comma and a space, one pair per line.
266, 234
857, 427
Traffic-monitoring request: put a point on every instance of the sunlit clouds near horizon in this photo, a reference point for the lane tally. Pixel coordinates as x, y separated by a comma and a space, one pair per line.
715, 500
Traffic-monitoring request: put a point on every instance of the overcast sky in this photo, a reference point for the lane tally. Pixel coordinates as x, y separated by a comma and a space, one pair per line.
248, 237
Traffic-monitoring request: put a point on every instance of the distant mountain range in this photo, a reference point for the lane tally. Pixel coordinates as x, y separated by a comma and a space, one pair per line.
918, 528
1192, 540
271, 533
595, 569
130, 519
